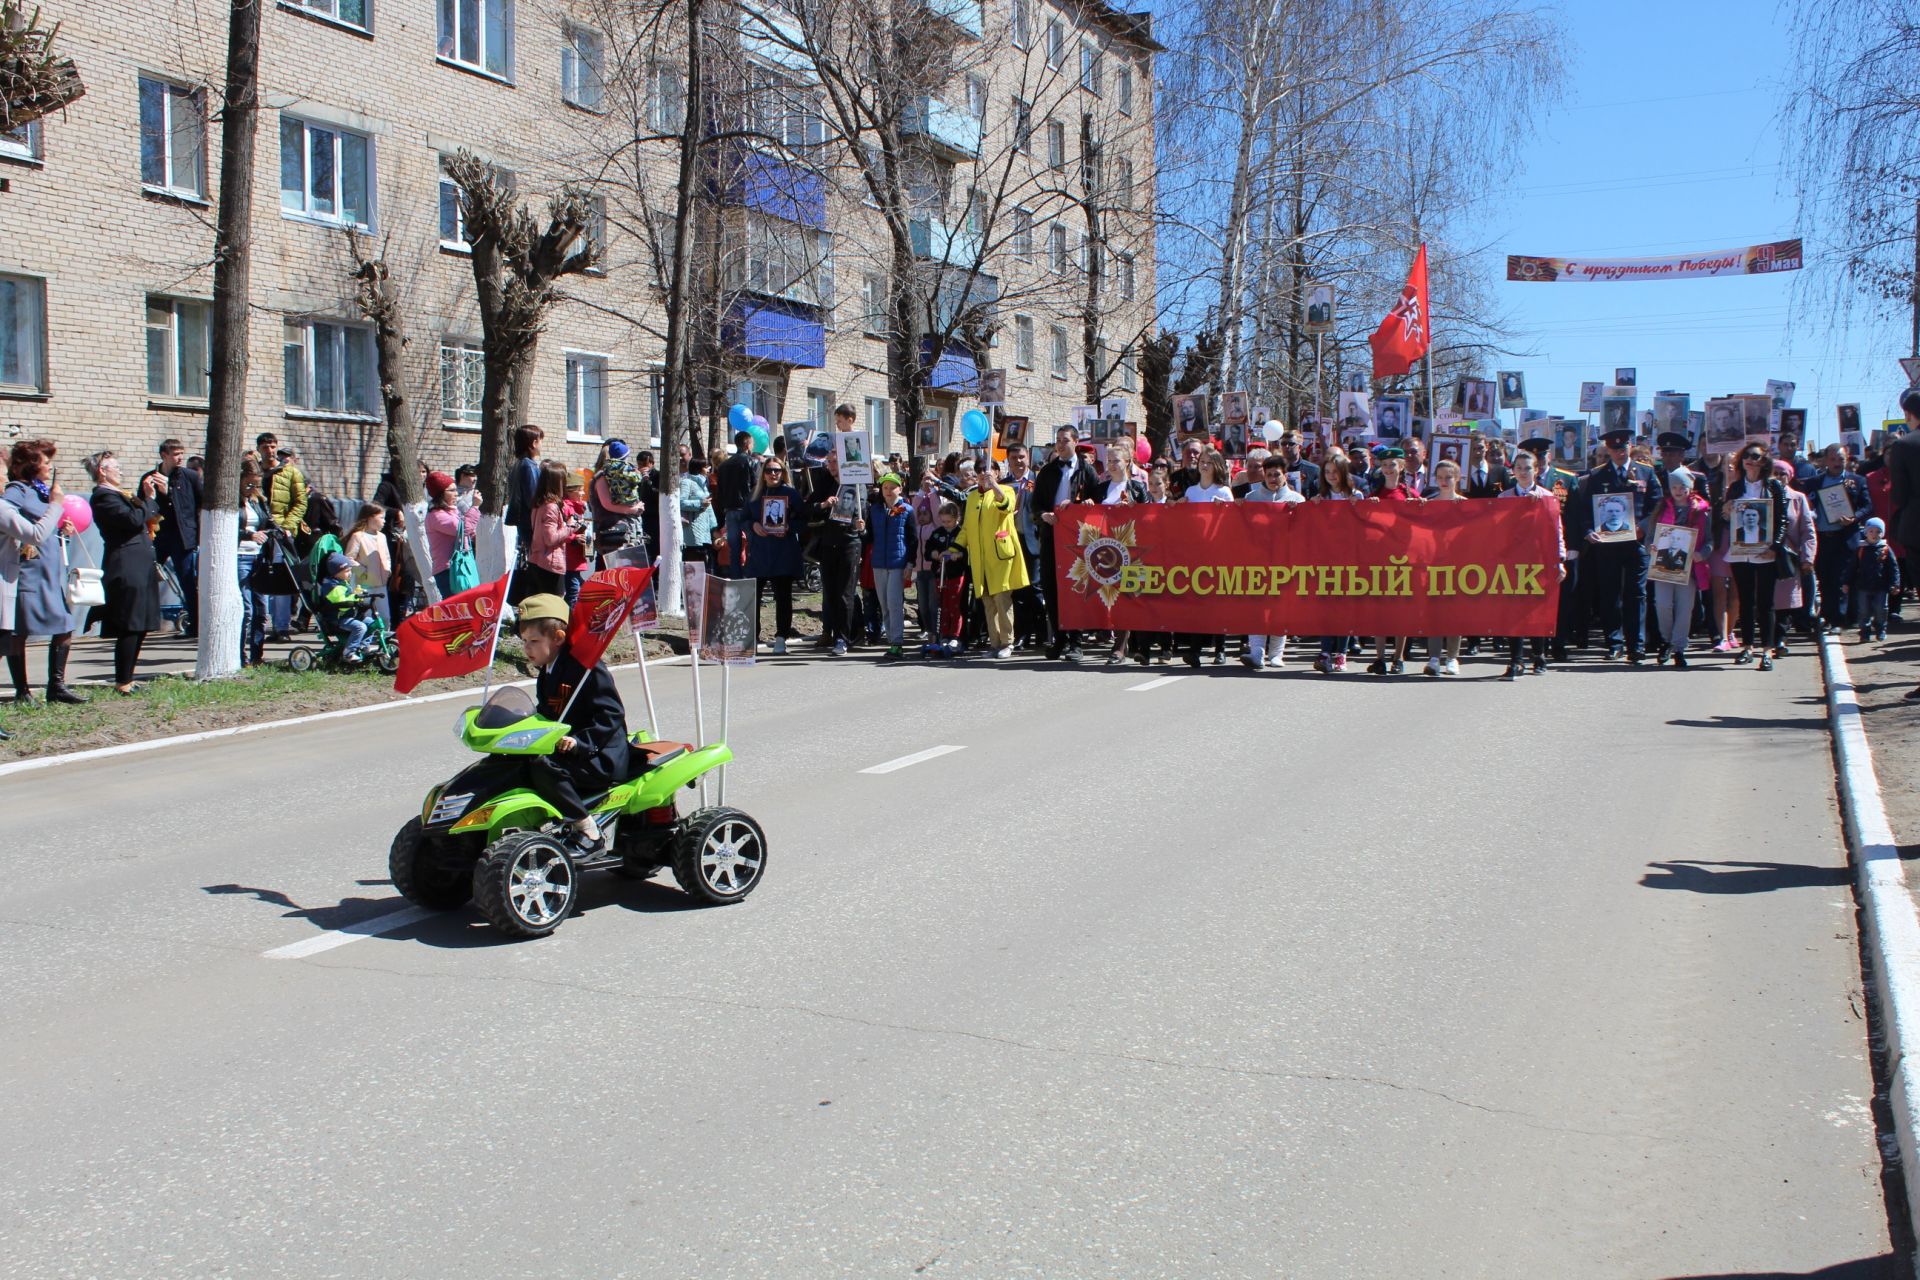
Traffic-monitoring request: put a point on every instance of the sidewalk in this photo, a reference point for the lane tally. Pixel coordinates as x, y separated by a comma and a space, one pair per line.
164, 654
1883, 672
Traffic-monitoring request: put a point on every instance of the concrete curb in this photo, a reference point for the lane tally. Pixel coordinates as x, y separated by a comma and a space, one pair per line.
236, 730
1887, 907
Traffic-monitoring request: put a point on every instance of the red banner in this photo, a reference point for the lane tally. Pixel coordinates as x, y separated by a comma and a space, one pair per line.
1482, 567
605, 602
451, 638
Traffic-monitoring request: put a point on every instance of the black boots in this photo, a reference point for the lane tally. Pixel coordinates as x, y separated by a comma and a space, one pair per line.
17, 668
57, 650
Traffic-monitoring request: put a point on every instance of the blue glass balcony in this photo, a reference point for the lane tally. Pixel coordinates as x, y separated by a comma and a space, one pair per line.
767, 184
948, 132
937, 242
962, 15
778, 332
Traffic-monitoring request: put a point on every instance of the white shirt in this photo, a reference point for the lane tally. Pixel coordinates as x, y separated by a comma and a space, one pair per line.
1209, 493
1064, 494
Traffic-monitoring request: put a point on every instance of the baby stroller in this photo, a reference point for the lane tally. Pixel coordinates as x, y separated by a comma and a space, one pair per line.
377, 649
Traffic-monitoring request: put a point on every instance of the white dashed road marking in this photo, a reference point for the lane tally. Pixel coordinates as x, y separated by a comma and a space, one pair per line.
1156, 684
931, 753
352, 933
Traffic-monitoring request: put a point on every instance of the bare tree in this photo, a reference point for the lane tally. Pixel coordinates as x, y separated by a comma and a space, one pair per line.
379, 300
220, 608
516, 269
35, 80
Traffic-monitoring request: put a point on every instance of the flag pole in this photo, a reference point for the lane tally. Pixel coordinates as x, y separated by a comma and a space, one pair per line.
726, 690
646, 684
699, 710
499, 623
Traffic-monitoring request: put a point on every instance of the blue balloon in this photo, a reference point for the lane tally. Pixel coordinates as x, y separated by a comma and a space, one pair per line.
740, 418
974, 427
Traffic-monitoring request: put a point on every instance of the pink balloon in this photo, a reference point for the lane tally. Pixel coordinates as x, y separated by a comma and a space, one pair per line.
79, 512
1142, 451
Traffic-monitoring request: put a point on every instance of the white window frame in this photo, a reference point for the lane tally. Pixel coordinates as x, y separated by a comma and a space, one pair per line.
1022, 127
464, 412
1090, 67
340, 136
583, 57
880, 426
1129, 373
977, 91
1056, 144
23, 144
1020, 23
1023, 342
30, 305
1059, 351
1056, 43
169, 335
449, 39
580, 366
172, 96
309, 344
1127, 281
329, 11
1123, 80
780, 259
1057, 260
666, 99
1120, 190
1023, 233
874, 319
762, 395
820, 406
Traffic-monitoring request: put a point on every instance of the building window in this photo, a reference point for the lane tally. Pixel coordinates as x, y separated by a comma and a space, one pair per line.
597, 232
785, 112
453, 215
478, 34
977, 97
581, 59
22, 143
666, 100
1020, 25
664, 244
23, 334
782, 260
463, 376
762, 395
1126, 276
976, 213
880, 425
1129, 373
1023, 341
1124, 80
330, 369
1122, 194
1056, 43
179, 336
873, 305
820, 409
1022, 126
326, 173
1059, 359
351, 12
586, 396
1057, 248
1023, 234
1090, 67
173, 138
1056, 145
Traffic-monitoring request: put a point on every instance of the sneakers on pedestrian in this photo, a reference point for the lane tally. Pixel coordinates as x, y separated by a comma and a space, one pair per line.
1004, 651
839, 648
780, 646
1433, 667
1250, 662
1451, 667
1339, 662
893, 651
1275, 662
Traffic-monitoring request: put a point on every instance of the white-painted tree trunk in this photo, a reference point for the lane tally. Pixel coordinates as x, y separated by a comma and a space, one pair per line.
220, 606
414, 520
493, 546
668, 593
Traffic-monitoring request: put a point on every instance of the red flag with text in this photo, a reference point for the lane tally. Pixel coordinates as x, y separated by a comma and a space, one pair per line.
451, 638
1481, 567
606, 601
1403, 336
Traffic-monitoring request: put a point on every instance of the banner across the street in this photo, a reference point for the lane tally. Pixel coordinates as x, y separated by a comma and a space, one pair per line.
1480, 568
1752, 260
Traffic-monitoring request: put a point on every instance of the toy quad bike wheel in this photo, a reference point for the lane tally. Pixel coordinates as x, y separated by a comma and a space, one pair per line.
719, 855
422, 873
526, 883
301, 659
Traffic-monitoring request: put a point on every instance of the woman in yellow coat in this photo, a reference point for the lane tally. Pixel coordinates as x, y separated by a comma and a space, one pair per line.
992, 542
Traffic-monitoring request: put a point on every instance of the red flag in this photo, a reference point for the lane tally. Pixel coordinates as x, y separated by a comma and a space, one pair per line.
1404, 335
606, 600
451, 638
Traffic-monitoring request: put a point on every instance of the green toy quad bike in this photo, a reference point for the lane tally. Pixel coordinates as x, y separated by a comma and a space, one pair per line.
506, 850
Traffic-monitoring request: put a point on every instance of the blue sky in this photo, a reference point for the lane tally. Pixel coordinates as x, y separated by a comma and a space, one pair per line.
1667, 140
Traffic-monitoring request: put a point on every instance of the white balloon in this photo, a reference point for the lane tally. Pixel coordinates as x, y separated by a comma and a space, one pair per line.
1273, 431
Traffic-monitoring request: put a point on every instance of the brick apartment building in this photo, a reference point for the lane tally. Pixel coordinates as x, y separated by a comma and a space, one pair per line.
107, 216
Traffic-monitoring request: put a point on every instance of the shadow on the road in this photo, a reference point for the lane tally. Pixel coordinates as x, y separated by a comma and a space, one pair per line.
1746, 877
1753, 722
1881, 1268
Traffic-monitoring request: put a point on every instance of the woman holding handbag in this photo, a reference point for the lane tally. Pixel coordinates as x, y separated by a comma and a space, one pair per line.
450, 534
33, 569
132, 597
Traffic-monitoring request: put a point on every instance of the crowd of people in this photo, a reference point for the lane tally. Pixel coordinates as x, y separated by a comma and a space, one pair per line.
962, 545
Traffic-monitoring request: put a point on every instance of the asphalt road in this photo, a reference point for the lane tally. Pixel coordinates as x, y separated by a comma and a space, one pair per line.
1237, 975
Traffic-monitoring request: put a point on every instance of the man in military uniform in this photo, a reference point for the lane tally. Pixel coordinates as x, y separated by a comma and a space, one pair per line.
1673, 449
1618, 569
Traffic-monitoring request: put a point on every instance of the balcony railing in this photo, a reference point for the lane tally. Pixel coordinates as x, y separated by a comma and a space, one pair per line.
950, 133
962, 15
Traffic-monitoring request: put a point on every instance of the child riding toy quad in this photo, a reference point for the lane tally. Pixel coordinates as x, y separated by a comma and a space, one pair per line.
481, 838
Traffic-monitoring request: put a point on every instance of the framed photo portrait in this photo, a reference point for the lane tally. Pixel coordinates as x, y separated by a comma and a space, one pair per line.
1513, 390
1082, 414
1114, 407
1849, 416
1616, 414
1591, 393
1756, 413
1750, 529
1670, 414
1452, 449
1013, 431
797, 435
1793, 423
1233, 408
1355, 409
1319, 308
926, 437
1570, 444
993, 388
1613, 518
1626, 377
1672, 551
1189, 415
1726, 427
1780, 393
856, 460
1474, 397
1392, 416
